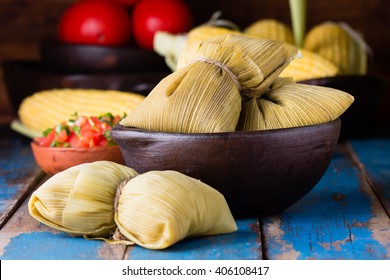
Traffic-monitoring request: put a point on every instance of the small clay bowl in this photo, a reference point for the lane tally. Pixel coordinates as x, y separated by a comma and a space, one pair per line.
260, 172
54, 160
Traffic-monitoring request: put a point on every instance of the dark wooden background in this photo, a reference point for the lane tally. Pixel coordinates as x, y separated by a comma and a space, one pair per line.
23, 24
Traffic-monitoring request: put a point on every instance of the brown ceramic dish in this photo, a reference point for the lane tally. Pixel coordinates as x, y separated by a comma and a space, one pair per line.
23, 78
54, 160
369, 112
79, 58
259, 173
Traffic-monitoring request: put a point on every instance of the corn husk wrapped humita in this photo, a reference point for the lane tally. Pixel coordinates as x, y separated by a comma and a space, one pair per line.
217, 79
109, 201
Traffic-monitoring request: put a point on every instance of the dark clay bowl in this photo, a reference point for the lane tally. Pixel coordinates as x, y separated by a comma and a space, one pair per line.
79, 58
259, 173
23, 78
369, 113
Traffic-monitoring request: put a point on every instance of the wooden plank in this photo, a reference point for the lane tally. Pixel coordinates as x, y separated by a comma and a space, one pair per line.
25, 238
374, 157
18, 172
341, 218
245, 244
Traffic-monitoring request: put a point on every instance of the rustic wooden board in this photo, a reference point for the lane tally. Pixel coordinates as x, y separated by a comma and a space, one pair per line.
18, 173
341, 218
245, 244
25, 238
374, 156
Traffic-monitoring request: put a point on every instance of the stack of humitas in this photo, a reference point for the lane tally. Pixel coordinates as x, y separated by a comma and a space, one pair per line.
222, 84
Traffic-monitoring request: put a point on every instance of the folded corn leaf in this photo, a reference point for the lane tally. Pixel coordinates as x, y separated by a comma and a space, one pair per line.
309, 66
341, 45
182, 102
159, 208
255, 62
270, 29
288, 104
79, 200
204, 94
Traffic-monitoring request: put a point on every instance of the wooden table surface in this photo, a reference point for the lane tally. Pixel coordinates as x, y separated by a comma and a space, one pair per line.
345, 216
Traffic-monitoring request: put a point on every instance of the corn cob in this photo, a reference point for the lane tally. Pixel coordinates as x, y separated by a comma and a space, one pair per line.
170, 46
270, 29
47, 108
309, 66
204, 32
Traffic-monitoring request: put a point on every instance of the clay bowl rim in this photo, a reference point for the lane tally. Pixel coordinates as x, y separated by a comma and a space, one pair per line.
42, 156
232, 134
74, 149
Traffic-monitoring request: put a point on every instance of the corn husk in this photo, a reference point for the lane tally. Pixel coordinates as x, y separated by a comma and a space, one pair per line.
270, 29
341, 45
309, 66
204, 94
170, 46
205, 32
79, 200
184, 103
48, 108
288, 104
298, 18
159, 208
108, 201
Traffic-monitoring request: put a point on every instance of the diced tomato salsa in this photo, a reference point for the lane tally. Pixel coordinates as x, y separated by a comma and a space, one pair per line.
81, 132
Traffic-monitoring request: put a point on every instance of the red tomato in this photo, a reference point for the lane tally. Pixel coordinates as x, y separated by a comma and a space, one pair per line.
82, 132
62, 136
149, 16
95, 22
128, 3
46, 140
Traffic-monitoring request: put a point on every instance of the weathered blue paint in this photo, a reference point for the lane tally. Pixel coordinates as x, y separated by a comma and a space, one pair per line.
50, 246
374, 154
331, 222
245, 244
17, 170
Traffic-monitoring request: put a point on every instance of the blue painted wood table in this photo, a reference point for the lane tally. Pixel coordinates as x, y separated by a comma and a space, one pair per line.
346, 216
